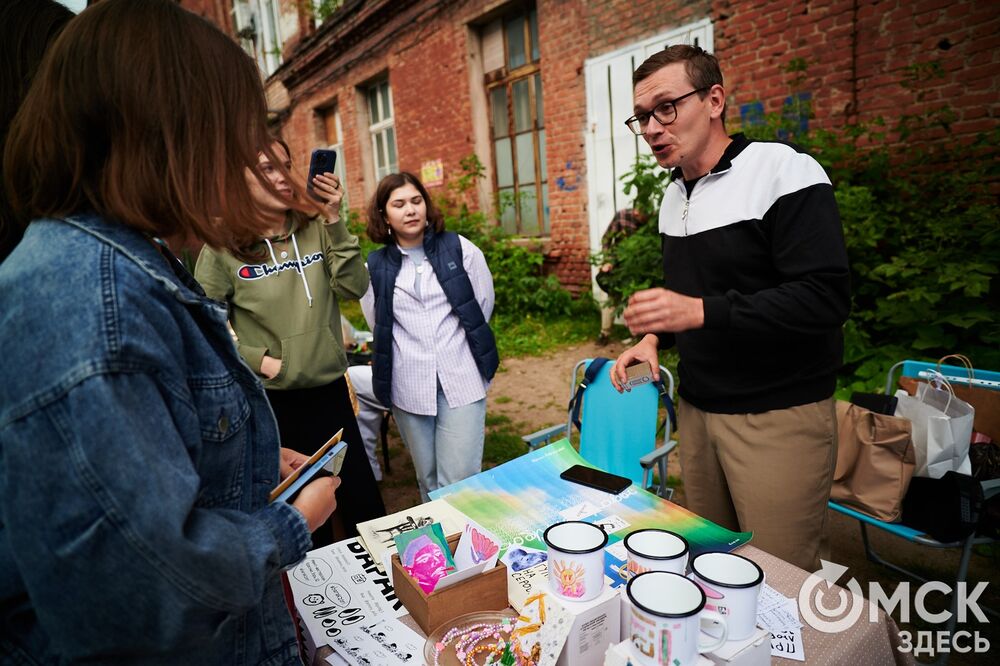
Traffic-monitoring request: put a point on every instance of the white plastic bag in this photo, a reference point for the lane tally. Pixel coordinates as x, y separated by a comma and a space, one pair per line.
942, 429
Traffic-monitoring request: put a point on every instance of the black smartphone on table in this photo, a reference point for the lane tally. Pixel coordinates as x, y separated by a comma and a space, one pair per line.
323, 160
596, 478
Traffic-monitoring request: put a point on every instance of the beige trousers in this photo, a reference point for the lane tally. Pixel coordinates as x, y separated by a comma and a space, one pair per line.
767, 473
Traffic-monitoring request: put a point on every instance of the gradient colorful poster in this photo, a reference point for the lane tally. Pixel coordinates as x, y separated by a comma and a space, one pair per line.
519, 499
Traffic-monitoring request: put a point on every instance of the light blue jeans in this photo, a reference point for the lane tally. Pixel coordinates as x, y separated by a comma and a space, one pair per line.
445, 448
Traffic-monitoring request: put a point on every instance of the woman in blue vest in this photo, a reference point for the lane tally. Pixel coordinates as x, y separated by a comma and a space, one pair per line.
430, 299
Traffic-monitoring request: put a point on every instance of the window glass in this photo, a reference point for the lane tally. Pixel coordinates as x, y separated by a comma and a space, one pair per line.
505, 163
508, 212
528, 200
498, 103
372, 106
533, 28
522, 106
525, 158
514, 29
379, 151
386, 107
538, 101
390, 141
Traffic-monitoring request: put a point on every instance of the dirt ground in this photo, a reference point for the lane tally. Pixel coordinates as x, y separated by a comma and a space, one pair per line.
532, 393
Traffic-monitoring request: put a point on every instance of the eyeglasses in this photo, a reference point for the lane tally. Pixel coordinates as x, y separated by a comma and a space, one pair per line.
664, 112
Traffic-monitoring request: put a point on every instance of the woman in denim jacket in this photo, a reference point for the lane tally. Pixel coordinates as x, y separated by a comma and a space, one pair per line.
137, 451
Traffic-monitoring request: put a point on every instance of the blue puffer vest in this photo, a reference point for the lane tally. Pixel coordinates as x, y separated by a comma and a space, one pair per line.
444, 252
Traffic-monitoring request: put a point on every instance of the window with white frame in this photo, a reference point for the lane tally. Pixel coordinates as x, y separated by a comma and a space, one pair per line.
382, 129
333, 135
269, 39
514, 89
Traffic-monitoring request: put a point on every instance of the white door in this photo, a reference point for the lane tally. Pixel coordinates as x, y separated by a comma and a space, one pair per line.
611, 147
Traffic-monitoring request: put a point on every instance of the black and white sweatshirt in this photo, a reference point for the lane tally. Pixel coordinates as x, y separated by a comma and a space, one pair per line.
759, 239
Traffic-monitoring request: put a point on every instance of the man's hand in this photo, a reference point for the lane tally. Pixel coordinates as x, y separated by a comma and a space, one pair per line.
317, 500
663, 311
290, 461
270, 366
327, 186
645, 350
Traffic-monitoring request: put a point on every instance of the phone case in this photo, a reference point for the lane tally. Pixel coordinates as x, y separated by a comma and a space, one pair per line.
329, 457
322, 161
615, 484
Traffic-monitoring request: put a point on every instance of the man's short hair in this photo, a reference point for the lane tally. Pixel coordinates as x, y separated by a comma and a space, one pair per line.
701, 67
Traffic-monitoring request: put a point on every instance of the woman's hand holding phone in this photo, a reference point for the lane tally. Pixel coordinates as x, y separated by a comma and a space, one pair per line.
327, 187
317, 500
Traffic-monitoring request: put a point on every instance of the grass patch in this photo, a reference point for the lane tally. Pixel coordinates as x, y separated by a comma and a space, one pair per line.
504, 399
532, 335
503, 440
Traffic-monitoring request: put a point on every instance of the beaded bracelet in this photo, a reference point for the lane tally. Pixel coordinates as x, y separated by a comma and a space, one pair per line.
469, 639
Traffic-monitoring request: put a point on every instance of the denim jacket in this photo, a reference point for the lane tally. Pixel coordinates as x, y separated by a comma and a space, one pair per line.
137, 452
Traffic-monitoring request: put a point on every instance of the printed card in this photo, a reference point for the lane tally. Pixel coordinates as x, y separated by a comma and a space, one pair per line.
519, 558
477, 546
788, 644
425, 555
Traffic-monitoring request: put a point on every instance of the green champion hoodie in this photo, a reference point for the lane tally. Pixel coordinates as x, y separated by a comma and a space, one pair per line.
274, 311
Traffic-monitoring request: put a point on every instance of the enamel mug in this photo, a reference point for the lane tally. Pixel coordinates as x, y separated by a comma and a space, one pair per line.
733, 585
576, 559
668, 615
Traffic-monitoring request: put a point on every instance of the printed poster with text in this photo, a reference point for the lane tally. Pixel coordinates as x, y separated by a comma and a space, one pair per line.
519, 499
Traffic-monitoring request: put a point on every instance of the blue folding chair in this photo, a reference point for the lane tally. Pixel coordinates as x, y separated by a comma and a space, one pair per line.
955, 374
618, 431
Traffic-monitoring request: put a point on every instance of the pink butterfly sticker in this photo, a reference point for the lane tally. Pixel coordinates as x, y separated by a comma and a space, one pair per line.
483, 548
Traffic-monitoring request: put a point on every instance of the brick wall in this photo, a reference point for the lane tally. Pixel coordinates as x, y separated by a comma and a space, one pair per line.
560, 27
856, 56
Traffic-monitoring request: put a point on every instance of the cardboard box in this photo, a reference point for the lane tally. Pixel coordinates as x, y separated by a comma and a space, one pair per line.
486, 591
597, 625
620, 654
753, 651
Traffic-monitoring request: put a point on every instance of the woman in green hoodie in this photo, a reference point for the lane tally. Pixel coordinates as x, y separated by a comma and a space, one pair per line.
283, 297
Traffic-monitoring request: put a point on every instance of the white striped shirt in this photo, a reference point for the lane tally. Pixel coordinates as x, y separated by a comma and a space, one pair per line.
428, 341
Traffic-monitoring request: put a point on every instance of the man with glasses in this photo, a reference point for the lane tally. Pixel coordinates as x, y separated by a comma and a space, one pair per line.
755, 291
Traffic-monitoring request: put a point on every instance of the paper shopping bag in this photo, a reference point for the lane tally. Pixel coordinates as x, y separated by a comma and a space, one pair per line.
875, 461
942, 429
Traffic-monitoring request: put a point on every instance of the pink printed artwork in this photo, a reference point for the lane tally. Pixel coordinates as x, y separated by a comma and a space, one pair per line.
424, 560
569, 578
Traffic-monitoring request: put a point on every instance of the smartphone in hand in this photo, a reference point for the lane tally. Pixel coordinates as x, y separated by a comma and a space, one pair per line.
322, 161
327, 460
596, 478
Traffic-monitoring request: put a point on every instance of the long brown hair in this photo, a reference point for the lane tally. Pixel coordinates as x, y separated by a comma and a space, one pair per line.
377, 228
27, 27
148, 115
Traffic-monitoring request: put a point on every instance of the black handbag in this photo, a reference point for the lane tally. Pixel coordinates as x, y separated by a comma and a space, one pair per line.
948, 508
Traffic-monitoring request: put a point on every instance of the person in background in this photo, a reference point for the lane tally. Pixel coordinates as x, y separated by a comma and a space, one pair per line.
137, 451
283, 294
27, 28
756, 289
370, 414
428, 306
624, 223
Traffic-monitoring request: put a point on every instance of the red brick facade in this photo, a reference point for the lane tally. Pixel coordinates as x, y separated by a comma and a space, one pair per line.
856, 56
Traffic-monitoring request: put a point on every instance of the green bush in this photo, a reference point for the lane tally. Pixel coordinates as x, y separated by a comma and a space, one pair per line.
922, 229
637, 257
